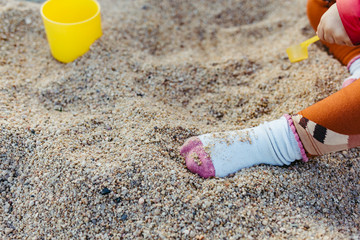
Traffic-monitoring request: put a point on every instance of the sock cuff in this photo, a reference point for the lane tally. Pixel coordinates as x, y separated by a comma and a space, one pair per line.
352, 61
297, 138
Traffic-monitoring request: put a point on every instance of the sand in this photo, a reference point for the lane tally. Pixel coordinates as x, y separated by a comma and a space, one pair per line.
89, 149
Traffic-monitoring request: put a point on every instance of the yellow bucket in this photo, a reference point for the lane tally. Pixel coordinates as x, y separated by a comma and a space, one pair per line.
71, 27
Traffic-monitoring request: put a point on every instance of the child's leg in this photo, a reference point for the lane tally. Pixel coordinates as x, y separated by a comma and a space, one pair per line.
331, 124
327, 126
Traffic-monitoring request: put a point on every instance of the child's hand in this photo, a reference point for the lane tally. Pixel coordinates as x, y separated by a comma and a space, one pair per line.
331, 29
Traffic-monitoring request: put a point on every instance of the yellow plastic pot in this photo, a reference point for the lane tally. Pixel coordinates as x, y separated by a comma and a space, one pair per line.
71, 27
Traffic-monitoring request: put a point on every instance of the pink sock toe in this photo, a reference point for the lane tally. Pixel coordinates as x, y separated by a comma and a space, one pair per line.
197, 160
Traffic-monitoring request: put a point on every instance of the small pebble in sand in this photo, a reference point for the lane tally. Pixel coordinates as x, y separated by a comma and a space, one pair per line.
8, 230
28, 20
105, 191
186, 232
124, 217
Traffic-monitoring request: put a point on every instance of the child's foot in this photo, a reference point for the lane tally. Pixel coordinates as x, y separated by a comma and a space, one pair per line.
220, 154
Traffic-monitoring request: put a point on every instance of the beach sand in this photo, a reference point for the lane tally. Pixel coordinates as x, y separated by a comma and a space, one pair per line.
89, 149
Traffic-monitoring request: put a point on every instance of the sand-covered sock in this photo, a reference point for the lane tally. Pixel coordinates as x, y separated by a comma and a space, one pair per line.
354, 69
220, 154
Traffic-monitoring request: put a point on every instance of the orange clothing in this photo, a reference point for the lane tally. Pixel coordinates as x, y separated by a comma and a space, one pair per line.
338, 112
315, 9
333, 124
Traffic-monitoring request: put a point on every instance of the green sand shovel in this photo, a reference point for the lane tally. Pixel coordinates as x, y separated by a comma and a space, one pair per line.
299, 52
